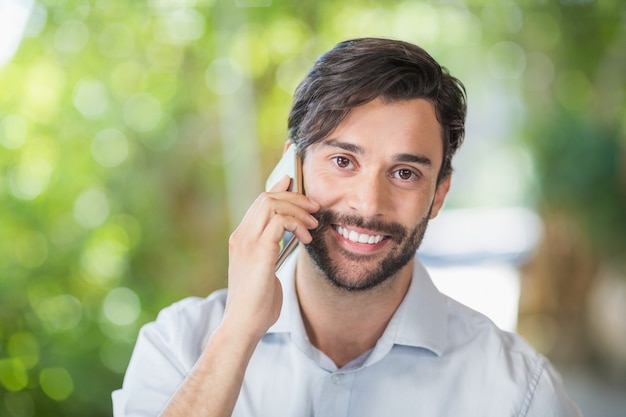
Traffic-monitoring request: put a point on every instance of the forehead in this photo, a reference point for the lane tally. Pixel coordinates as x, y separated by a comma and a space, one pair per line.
389, 127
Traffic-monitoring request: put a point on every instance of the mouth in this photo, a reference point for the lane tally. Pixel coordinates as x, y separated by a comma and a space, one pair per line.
357, 237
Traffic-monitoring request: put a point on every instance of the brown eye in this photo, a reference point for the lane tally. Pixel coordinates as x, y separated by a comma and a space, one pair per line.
342, 162
405, 174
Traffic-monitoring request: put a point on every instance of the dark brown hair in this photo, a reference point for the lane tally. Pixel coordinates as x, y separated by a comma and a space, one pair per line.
358, 71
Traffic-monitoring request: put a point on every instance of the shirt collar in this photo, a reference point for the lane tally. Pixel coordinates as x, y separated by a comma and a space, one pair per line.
420, 320
290, 319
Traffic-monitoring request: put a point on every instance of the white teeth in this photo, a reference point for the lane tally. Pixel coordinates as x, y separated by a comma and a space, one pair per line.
359, 237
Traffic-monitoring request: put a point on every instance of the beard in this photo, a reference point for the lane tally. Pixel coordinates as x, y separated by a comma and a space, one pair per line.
354, 272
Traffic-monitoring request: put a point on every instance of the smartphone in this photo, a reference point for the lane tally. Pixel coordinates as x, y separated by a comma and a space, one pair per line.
290, 164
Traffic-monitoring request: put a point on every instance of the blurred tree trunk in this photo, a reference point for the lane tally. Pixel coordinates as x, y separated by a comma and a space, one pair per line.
554, 290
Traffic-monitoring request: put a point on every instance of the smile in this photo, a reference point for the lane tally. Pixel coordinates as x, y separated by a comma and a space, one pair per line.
353, 236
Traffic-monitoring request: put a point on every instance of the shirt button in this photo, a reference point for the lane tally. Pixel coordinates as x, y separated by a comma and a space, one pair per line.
337, 378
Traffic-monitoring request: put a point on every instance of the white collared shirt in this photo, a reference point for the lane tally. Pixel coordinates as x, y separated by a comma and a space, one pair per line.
436, 358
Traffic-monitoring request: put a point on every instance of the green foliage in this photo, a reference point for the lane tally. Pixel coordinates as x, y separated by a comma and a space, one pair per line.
582, 172
577, 122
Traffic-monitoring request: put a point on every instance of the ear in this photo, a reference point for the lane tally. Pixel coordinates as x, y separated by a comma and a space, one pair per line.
440, 195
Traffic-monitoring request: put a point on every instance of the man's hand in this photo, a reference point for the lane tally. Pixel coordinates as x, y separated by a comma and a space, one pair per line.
252, 306
254, 293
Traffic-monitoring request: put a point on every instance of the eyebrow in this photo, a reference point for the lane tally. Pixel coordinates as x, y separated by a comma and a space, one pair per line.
350, 147
411, 158
399, 157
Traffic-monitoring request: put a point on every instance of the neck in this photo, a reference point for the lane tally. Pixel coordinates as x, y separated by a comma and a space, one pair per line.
345, 324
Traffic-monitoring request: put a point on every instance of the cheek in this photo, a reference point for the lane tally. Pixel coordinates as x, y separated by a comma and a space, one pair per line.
320, 188
413, 209
314, 183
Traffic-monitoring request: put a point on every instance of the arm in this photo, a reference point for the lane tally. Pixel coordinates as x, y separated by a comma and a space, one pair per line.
253, 304
212, 387
549, 399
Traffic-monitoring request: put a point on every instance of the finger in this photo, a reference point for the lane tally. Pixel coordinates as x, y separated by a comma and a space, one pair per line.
268, 204
285, 216
288, 208
281, 189
282, 184
284, 223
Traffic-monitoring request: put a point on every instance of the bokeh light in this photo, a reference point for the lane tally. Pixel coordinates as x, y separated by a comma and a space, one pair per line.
142, 112
59, 313
506, 60
91, 208
121, 306
223, 76
13, 131
91, 98
31, 177
109, 147
56, 383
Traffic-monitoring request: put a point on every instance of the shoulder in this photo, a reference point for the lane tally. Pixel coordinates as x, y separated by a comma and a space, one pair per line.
494, 354
504, 363
187, 323
191, 310
467, 327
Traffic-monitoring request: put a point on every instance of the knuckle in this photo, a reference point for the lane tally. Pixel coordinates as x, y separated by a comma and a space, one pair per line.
266, 196
233, 239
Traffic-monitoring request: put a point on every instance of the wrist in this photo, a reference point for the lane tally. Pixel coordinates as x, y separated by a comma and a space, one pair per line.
237, 335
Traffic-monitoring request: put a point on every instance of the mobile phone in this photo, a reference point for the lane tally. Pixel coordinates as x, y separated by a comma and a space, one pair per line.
290, 164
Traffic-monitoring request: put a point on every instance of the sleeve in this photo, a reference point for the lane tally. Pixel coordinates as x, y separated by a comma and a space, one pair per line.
549, 399
165, 352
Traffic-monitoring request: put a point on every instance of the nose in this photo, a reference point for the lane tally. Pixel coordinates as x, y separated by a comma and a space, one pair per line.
368, 195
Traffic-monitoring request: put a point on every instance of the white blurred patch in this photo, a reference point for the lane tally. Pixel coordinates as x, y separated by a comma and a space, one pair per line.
14, 16
473, 254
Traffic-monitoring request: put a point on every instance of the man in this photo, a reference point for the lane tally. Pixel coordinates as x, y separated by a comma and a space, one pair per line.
352, 325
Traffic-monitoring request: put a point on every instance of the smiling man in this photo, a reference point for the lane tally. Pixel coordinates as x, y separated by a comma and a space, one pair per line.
352, 324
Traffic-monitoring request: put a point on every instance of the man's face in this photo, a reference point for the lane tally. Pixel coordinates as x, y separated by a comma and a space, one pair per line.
375, 177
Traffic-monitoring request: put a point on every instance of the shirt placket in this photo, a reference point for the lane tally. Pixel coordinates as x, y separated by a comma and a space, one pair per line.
334, 397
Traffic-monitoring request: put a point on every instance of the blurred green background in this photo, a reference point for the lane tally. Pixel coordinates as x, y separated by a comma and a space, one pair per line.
134, 135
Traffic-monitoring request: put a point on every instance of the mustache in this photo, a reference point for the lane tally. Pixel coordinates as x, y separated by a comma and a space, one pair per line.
327, 218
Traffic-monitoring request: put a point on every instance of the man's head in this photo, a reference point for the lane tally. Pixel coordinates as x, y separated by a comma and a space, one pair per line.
358, 71
375, 178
